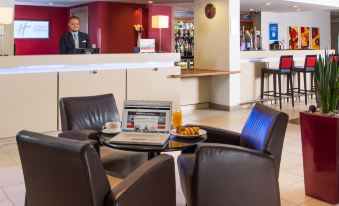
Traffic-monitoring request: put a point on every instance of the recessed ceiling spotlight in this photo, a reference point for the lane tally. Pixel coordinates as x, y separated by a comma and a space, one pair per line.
150, 2
50, 3
251, 10
298, 9
267, 3
295, 6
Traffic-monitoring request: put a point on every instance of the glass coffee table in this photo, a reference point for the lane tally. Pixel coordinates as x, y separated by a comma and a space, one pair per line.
174, 143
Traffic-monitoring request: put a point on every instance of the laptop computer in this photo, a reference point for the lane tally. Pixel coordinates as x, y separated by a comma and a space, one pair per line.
145, 123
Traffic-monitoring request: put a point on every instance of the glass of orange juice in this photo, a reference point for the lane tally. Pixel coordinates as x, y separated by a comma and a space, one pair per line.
177, 120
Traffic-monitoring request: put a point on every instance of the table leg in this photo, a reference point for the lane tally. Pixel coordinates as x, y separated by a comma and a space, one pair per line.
151, 155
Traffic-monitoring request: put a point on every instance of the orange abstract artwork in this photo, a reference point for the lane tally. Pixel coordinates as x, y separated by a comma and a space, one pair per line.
316, 38
293, 37
305, 37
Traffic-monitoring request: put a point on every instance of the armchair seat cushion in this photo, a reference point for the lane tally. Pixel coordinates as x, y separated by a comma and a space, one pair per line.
121, 163
186, 168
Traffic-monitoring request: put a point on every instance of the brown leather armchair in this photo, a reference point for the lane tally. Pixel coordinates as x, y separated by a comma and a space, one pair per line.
83, 117
242, 169
59, 171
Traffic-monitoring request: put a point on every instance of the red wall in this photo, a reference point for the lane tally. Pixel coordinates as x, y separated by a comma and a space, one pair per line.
111, 25
166, 34
58, 17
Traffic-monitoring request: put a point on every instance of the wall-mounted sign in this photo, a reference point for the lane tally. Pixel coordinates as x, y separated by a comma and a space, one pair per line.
210, 11
274, 32
30, 29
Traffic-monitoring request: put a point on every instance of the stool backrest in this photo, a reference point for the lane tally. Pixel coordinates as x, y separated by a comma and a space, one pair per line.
334, 57
286, 62
310, 61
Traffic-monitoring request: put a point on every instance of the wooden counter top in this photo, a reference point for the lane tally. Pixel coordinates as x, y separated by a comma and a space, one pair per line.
188, 73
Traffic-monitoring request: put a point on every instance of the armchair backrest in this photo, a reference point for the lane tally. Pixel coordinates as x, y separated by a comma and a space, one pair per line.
265, 131
60, 171
232, 175
90, 112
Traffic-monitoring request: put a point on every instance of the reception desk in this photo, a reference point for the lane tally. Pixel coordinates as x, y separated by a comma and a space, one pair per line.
31, 86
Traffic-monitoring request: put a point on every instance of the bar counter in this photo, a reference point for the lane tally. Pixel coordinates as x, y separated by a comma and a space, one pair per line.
253, 61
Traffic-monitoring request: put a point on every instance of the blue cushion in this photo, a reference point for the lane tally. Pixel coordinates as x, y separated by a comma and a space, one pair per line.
257, 130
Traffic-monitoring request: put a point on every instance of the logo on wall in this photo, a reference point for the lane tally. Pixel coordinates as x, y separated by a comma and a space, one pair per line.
210, 11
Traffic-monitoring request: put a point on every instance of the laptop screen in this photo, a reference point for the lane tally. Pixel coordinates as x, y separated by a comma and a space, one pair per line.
147, 116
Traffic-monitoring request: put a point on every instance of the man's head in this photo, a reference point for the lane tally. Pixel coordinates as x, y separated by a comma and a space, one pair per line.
74, 23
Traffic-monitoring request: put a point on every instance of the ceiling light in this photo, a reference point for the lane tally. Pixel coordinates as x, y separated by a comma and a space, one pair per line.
251, 9
150, 2
298, 9
50, 3
267, 3
295, 6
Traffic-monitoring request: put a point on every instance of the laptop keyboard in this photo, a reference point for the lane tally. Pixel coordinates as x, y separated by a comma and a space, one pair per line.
131, 134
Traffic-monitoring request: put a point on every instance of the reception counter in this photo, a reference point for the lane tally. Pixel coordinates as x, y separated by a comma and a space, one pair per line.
30, 86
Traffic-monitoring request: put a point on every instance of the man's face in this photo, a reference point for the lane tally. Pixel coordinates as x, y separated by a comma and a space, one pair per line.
74, 25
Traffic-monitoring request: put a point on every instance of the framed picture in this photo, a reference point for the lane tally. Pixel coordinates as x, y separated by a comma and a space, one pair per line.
315, 38
305, 37
293, 37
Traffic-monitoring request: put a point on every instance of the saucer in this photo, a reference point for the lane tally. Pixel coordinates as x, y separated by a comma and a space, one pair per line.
111, 131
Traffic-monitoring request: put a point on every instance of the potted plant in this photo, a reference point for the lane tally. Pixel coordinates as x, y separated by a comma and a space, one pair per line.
320, 135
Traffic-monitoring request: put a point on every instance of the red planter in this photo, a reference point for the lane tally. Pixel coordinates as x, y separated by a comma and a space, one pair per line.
320, 146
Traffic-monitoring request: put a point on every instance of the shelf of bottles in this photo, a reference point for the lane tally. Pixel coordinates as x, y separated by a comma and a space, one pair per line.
184, 41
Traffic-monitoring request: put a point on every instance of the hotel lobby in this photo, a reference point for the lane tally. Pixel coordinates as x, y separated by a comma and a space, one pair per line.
169, 102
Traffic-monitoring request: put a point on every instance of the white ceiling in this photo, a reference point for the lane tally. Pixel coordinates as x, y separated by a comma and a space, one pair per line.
66, 3
287, 5
258, 5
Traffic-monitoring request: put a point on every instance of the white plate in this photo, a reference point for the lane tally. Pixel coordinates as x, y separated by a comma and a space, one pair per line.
107, 131
201, 132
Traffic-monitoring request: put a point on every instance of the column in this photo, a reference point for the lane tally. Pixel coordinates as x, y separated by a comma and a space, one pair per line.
217, 47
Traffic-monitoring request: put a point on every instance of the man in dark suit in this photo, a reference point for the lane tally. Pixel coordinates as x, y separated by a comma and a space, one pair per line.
74, 38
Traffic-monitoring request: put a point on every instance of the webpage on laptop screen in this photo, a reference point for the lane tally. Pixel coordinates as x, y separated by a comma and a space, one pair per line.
147, 121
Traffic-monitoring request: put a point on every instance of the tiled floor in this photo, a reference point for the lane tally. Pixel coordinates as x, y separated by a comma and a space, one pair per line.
12, 189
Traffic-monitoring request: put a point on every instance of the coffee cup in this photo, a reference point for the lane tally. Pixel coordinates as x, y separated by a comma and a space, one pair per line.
112, 126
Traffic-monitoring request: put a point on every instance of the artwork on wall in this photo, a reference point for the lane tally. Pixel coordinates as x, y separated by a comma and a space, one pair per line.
293, 38
305, 37
315, 38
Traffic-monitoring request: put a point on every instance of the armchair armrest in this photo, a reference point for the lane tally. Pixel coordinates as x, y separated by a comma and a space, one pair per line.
83, 135
217, 135
235, 175
152, 184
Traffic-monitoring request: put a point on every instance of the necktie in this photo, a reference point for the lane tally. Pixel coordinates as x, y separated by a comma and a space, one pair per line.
76, 40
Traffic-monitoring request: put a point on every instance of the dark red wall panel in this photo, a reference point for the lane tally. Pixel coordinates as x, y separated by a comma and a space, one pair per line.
166, 34
58, 17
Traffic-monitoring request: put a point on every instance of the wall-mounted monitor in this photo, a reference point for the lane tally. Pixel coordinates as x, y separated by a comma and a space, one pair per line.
31, 29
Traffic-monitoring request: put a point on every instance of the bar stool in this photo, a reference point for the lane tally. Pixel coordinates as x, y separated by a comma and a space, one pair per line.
310, 62
334, 57
285, 68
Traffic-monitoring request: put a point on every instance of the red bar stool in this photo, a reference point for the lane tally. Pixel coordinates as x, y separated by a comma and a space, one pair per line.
334, 57
310, 62
285, 68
